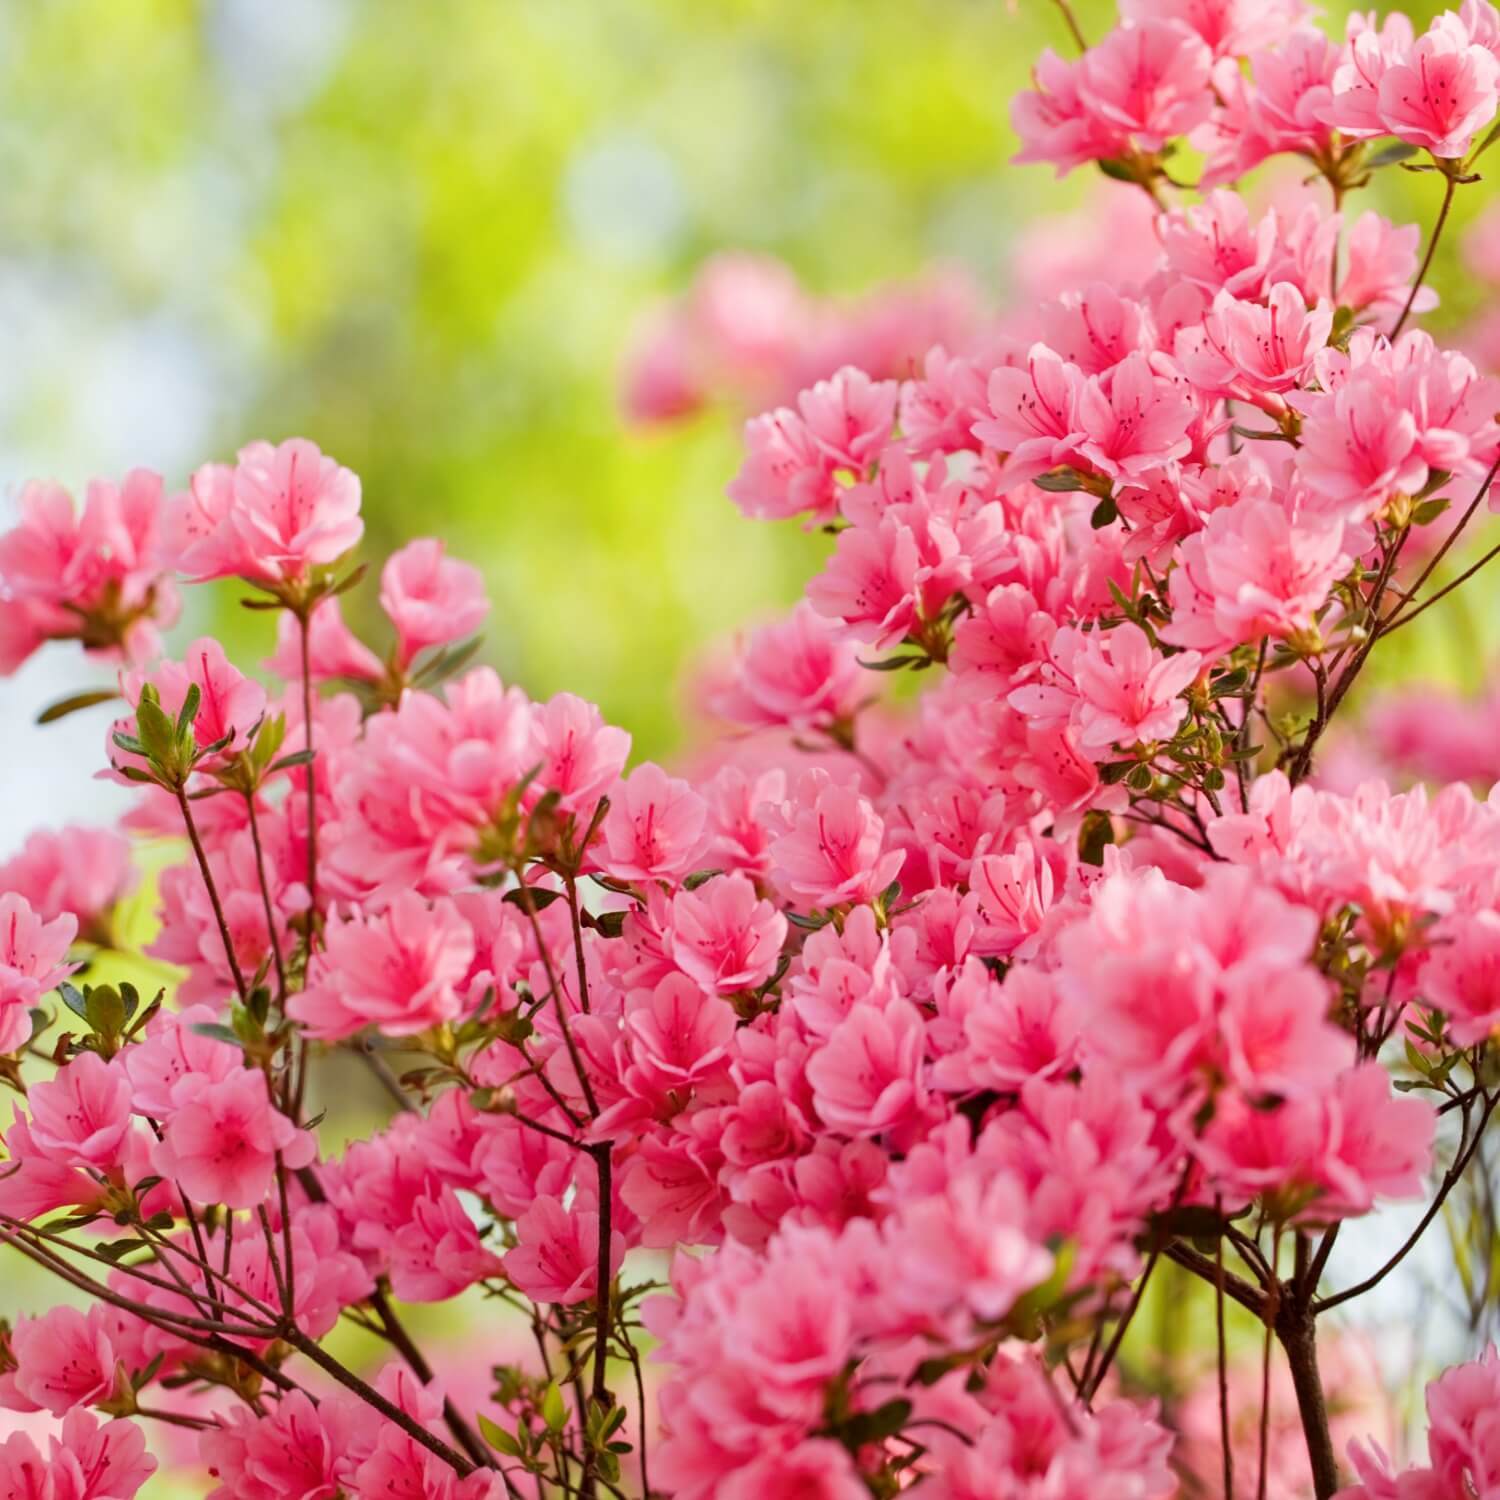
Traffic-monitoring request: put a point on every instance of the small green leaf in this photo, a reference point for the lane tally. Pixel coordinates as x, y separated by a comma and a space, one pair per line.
1486, 143
498, 1438
539, 900
189, 711
875, 1426
1063, 481
1104, 513
219, 1032
1389, 154
893, 663
554, 1411
73, 1000
105, 1010
65, 706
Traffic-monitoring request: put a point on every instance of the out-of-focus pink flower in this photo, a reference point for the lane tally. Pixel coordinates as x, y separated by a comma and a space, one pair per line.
82, 872
333, 650
32, 961
430, 598
97, 577
796, 672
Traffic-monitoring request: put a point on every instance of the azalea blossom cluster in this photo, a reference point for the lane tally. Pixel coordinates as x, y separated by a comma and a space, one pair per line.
914, 1033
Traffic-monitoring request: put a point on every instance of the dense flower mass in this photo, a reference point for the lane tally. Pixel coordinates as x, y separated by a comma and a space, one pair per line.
920, 1032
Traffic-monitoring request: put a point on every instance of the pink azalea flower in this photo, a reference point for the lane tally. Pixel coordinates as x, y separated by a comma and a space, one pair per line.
1138, 424
223, 1140
1358, 451
1127, 691
398, 971
82, 1115
1033, 415
677, 1037
786, 471
430, 599
654, 827
1253, 571
832, 851
1441, 93
86, 1460
439, 1254
557, 1259
95, 576
82, 872
867, 1078
296, 1449
724, 937
850, 416
65, 1358
1055, 123
581, 757
796, 672
32, 961
814, 1470
278, 512
1149, 80
1232, 28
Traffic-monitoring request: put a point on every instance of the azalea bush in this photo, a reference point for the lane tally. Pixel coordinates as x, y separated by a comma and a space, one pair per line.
818, 1113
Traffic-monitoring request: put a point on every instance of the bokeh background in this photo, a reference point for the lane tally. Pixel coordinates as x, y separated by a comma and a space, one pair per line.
422, 234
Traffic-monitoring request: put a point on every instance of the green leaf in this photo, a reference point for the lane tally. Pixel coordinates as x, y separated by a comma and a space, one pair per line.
65, 706
105, 1010
297, 758
1429, 510
268, 739
216, 1030
1104, 512
554, 1411
351, 579
73, 1000
1487, 142
189, 711
699, 877
540, 900
893, 663
117, 1249
1063, 481
498, 1438
1096, 834
1389, 154
875, 1426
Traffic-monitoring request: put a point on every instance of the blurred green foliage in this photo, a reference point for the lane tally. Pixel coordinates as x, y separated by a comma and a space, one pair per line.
421, 233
